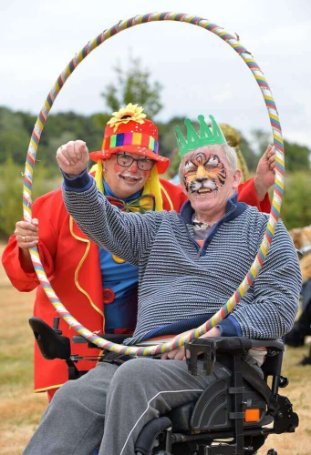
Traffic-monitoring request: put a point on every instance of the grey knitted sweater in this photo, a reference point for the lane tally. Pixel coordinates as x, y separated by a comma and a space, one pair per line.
180, 281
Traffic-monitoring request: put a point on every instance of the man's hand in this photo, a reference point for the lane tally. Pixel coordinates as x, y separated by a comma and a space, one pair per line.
27, 236
214, 332
27, 233
175, 354
179, 353
264, 177
73, 157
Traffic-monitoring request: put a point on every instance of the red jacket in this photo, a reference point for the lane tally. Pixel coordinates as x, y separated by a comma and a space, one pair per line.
71, 262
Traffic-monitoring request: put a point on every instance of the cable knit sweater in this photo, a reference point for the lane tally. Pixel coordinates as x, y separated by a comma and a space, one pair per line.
178, 280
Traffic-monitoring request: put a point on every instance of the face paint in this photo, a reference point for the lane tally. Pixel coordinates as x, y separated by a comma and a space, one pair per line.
204, 173
124, 181
117, 168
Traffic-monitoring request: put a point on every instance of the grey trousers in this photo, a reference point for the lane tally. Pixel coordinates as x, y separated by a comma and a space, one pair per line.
120, 399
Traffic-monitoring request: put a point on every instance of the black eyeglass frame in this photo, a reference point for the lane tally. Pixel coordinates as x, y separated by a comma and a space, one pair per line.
144, 164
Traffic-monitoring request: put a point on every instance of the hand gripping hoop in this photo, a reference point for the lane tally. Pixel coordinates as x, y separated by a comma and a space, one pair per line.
256, 266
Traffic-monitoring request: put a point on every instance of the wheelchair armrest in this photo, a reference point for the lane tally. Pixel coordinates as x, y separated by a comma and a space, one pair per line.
51, 344
208, 349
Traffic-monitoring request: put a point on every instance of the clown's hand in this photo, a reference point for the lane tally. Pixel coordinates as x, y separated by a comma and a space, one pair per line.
73, 157
264, 177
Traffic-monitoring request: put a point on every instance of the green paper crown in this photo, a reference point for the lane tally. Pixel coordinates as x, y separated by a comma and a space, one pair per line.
208, 135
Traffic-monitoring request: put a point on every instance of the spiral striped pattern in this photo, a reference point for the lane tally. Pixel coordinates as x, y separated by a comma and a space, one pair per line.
233, 41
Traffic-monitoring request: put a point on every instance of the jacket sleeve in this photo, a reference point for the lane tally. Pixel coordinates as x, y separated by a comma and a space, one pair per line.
247, 193
23, 276
173, 196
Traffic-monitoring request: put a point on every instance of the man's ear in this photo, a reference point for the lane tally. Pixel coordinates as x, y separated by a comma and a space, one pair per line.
237, 176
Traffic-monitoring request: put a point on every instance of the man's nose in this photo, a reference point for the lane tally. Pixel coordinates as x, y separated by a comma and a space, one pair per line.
134, 166
201, 173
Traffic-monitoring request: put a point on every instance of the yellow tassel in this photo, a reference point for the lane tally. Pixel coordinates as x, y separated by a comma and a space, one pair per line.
98, 168
152, 186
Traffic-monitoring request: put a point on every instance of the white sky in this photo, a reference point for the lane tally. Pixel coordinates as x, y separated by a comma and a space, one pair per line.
200, 73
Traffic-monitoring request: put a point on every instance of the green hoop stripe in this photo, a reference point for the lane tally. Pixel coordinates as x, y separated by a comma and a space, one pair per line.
229, 306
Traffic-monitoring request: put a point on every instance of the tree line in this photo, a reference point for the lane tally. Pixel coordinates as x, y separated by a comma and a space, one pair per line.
16, 129
131, 85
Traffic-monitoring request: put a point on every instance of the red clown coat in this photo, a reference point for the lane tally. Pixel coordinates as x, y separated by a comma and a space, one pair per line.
71, 262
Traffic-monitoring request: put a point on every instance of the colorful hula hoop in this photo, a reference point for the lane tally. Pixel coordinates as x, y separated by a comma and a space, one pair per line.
233, 41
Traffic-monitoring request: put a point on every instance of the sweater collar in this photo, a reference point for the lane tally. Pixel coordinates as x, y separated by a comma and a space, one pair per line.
233, 209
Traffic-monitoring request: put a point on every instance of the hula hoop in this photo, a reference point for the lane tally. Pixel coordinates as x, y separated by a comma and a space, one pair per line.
256, 266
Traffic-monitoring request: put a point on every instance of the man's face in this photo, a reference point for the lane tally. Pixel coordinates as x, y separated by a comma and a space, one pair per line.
208, 179
123, 178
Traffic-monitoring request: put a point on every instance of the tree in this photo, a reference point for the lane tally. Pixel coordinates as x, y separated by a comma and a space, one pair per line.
297, 157
14, 138
11, 188
133, 85
261, 140
296, 207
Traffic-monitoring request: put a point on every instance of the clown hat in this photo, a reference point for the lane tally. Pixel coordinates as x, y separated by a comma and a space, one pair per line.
128, 130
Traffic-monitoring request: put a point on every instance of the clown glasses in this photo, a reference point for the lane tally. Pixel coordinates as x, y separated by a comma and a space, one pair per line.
125, 160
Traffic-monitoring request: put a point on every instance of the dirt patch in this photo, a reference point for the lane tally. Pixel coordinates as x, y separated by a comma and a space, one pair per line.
20, 408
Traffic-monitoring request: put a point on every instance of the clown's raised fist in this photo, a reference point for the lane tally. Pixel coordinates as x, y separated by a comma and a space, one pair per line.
73, 157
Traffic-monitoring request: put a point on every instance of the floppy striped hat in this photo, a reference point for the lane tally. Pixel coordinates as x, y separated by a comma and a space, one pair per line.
128, 130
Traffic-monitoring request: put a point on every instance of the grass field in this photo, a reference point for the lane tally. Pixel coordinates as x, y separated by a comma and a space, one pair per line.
20, 409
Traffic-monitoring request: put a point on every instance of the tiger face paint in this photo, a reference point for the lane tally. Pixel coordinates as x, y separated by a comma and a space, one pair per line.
204, 173
209, 180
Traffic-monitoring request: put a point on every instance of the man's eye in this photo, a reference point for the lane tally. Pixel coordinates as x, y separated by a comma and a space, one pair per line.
211, 163
190, 167
124, 158
210, 166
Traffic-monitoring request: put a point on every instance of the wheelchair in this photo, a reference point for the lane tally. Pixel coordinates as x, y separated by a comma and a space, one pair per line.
233, 416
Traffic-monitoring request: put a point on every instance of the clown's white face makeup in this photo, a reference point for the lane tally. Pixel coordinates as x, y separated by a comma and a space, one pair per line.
124, 181
209, 181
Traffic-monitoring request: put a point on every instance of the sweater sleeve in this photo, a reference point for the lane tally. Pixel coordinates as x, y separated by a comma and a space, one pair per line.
128, 235
268, 309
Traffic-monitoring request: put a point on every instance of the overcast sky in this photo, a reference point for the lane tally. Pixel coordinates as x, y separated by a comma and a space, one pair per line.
200, 73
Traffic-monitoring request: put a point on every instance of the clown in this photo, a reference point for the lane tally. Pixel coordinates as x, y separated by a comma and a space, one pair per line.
99, 289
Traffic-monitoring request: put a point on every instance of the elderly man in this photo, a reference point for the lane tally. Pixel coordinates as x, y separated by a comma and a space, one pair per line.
189, 264
97, 287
